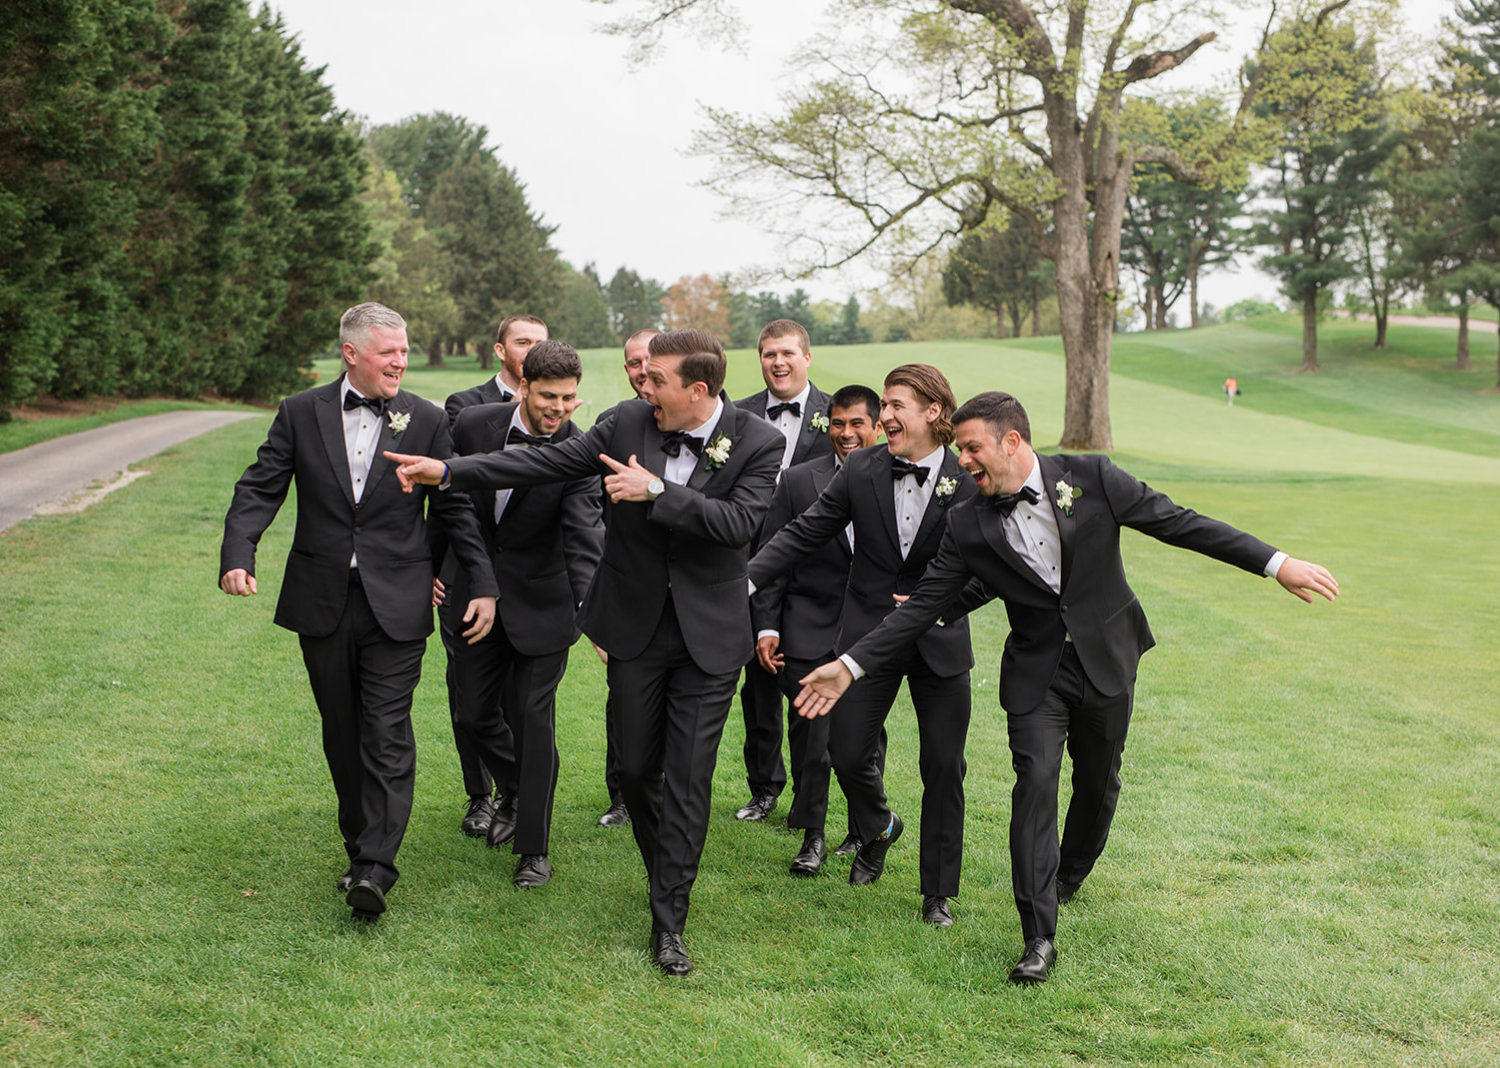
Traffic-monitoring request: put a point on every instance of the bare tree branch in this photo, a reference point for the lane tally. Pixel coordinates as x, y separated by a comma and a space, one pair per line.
1144, 67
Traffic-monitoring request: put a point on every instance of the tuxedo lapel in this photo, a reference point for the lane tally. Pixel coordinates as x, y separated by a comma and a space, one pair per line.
885, 495
822, 475
484, 498
993, 529
399, 404
651, 456
331, 427
725, 425
1055, 469
807, 433
936, 509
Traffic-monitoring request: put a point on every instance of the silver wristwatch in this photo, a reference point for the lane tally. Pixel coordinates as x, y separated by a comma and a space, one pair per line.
655, 488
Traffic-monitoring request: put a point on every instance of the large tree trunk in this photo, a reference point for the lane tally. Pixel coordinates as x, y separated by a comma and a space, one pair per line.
1461, 360
1310, 330
1036, 315
1015, 320
1382, 319
1193, 296
435, 353
1000, 321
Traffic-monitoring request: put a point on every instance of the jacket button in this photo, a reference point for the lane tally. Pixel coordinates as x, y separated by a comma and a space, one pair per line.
356, 530
1065, 609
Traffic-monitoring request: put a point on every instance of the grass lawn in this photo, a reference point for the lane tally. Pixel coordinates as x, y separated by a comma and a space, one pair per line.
1303, 869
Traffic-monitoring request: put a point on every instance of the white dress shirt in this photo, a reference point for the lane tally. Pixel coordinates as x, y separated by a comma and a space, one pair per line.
680, 468
361, 432
507, 391
790, 425
911, 499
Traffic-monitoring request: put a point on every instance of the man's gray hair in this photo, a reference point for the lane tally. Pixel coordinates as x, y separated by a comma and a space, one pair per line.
356, 323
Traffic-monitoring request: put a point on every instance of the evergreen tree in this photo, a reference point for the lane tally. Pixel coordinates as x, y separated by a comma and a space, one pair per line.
583, 320
634, 302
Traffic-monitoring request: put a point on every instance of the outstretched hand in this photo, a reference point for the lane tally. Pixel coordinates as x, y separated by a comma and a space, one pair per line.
630, 482
822, 687
1303, 579
415, 469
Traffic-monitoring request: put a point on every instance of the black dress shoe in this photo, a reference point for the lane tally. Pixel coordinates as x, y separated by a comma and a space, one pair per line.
502, 822
532, 870
670, 954
1036, 963
617, 816
345, 881
476, 822
814, 852
849, 845
869, 861
367, 900
935, 911
757, 808
1065, 891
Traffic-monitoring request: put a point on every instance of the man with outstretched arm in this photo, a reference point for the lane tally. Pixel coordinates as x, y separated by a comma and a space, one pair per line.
1044, 536
358, 583
689, 477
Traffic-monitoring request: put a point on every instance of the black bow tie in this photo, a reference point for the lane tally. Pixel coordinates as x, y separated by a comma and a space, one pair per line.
517, 436
673, 441
775, 410
353, 400
901, 468
1006, 503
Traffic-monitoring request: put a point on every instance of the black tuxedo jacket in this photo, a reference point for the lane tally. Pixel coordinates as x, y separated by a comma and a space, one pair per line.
386, 528
692, 539
861, 491
1097, 606
546, 546
811, 441
487, 392
805, 604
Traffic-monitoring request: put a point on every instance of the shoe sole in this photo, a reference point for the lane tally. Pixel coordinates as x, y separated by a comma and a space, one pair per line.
366, 903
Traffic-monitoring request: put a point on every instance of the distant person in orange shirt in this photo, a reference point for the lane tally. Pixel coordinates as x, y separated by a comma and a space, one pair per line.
1231, 387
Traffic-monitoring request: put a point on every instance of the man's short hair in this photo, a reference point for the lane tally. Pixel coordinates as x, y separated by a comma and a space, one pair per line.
645, 331
551, 359
784, 328
702, 357
1001, 411
852, 396
511, 320
356, 323
929, 384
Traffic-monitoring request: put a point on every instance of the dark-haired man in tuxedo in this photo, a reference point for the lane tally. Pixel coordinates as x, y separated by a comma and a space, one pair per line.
513, 340
358, 583
796, 617
690, 478
545, 543
799, 412
1044, 535
897, 498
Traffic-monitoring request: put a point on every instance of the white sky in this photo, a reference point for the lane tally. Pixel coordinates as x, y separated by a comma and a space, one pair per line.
600, 146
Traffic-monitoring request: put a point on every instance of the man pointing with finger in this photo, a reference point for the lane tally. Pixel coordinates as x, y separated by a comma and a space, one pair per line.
1044, 536
690, 478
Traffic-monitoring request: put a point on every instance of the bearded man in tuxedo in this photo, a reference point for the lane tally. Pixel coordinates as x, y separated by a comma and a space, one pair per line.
1044, 536
690, 477
358, 582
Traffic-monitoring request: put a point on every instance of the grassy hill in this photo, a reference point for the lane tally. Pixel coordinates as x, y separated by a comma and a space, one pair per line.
1303, 868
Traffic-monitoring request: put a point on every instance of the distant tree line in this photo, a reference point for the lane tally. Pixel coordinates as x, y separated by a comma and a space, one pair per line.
178, 201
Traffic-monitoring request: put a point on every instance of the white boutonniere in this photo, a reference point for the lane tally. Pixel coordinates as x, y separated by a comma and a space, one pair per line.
818, 422
398, 422
717, 452
1066, 495
944, 491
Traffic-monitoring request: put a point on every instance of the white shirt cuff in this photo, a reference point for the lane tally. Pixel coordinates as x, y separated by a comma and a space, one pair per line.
1274, 564
853, 666
767, 634
752, 587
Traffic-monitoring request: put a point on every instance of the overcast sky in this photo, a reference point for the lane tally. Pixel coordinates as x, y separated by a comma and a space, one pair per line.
600, 145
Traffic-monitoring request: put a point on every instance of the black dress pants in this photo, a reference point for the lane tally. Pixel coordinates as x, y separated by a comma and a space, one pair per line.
760, 703
812, 760
478, 781
362, 682
1092, 727
508, 705
942, 707
672, 715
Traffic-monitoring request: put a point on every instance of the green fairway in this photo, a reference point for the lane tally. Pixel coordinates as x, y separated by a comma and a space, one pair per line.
1303, 867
